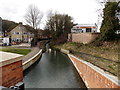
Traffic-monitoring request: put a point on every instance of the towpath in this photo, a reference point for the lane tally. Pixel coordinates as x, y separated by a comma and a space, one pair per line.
34, 51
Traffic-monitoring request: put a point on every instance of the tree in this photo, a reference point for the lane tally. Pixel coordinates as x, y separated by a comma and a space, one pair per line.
7, 26
110, 23
59, 25
46, 33
33, 16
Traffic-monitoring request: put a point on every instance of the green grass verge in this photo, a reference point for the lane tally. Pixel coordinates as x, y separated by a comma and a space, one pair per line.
108, 52
16, 50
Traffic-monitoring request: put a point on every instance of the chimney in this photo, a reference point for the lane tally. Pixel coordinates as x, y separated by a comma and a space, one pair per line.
20, 23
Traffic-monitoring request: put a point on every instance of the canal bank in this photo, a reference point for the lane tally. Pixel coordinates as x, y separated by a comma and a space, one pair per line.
31, 58
12, 66
93, 76
54, 70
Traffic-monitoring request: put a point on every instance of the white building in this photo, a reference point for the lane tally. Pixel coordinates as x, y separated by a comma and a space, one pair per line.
82, 28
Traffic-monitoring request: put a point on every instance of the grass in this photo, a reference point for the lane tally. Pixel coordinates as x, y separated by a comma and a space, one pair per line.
108, 52
105, 51
16, 50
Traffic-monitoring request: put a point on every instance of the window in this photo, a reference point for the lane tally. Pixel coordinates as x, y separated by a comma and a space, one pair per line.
88, 29
16, 32
25, 33
25, 40
18, 39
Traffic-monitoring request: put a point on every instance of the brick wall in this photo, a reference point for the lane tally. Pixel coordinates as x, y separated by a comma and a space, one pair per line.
82, 37
11, 74
93, 78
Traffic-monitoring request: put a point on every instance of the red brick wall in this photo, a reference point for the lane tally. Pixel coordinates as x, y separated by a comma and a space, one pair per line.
11, 74
92, 78
82, 37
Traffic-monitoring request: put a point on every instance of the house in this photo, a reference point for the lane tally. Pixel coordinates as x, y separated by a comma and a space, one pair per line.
21, 34
83, 33
82, 28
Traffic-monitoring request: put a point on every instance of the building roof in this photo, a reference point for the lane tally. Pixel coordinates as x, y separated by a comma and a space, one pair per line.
86, 25
21, 27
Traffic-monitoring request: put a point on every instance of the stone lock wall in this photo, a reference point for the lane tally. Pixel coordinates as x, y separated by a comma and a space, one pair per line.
93, 76
11, 74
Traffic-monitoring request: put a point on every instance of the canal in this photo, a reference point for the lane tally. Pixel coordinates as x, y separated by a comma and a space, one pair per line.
53, 70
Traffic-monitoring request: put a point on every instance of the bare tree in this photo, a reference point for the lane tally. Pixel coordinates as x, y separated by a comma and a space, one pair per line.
33, 16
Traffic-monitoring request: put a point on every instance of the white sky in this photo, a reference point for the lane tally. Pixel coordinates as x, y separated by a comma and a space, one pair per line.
83, 11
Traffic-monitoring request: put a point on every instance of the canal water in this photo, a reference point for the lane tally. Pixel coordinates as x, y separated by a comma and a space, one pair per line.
53, 70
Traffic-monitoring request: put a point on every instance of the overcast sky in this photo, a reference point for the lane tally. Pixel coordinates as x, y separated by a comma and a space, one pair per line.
83, 11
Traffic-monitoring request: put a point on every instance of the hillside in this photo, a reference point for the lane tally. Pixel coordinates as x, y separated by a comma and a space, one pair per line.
8, 25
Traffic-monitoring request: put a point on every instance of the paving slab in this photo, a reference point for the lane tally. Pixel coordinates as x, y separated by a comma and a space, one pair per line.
7, 56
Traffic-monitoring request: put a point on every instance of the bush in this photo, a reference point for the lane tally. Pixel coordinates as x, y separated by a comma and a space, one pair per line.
97, 42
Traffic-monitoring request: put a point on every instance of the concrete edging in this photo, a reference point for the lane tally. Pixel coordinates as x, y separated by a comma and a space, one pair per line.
32, 60
110, 80
10, 61
65, 51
